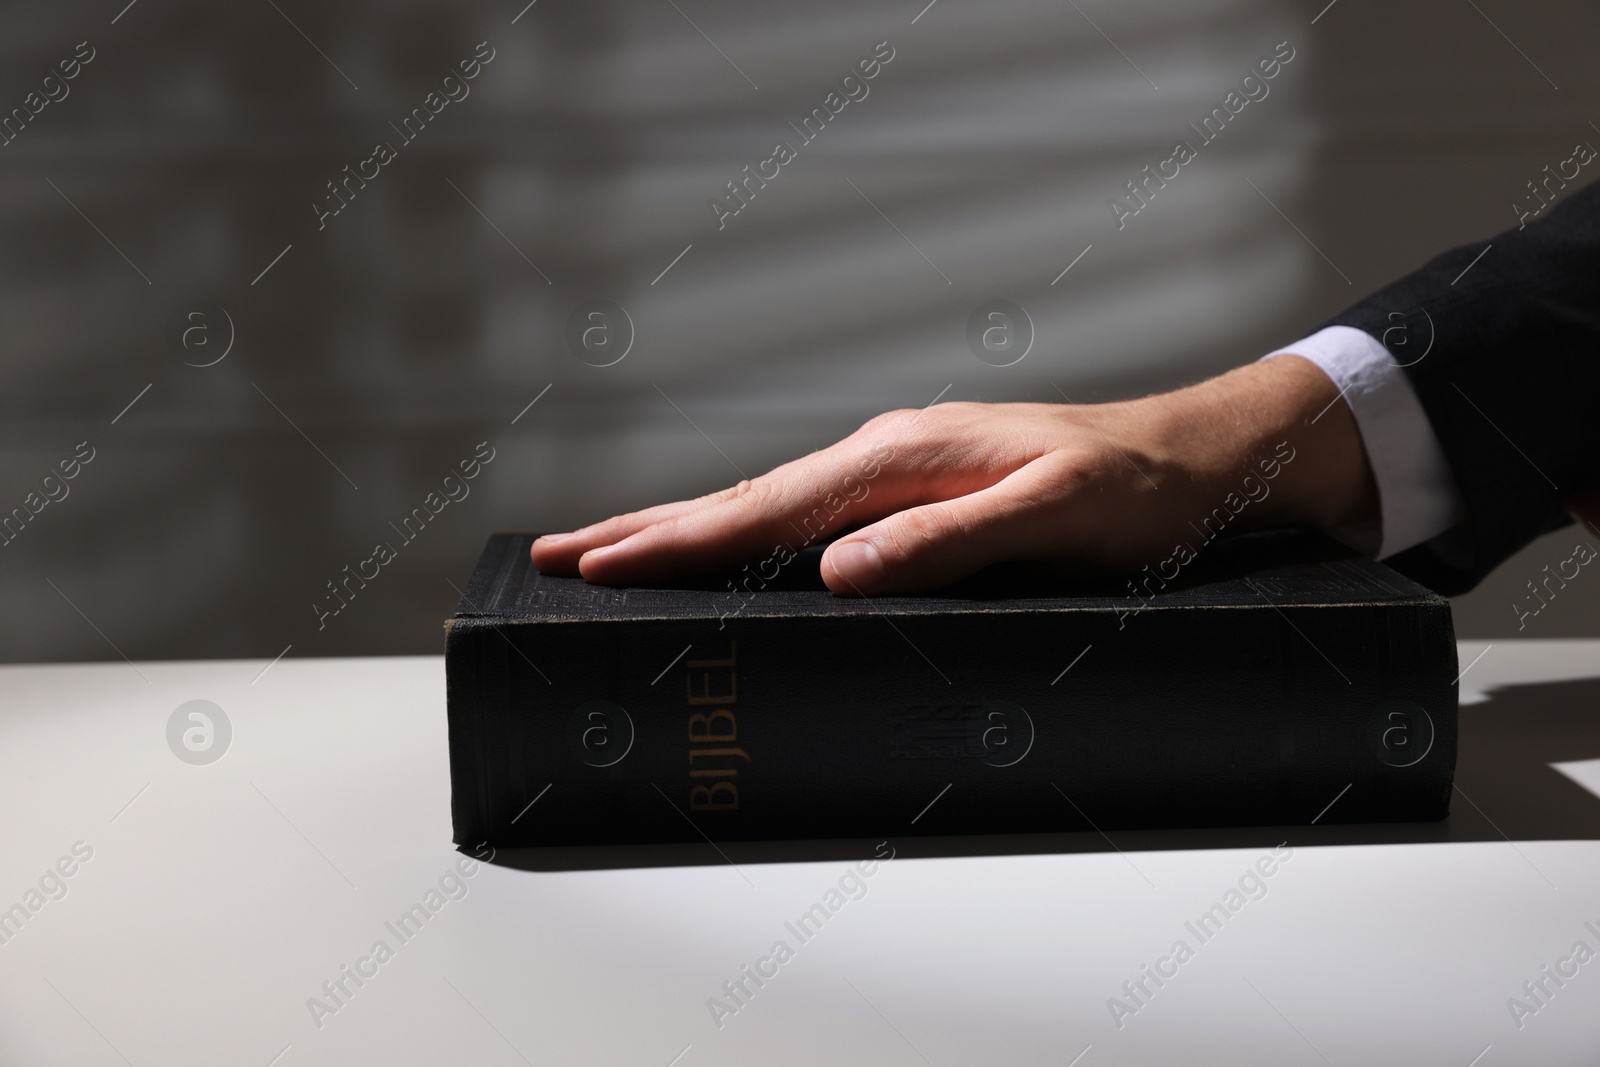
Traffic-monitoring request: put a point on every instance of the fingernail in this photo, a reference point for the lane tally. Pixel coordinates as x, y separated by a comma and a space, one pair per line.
858, 563
552, 538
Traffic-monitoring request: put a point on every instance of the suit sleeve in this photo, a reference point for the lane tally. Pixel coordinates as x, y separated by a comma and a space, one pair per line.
1502, 347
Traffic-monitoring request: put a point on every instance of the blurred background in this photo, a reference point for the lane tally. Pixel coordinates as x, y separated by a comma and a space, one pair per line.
268, 391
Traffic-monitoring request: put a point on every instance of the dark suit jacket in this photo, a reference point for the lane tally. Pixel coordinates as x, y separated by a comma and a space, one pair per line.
1511, 382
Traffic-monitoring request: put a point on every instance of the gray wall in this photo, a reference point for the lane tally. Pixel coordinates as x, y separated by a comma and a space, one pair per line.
381, 349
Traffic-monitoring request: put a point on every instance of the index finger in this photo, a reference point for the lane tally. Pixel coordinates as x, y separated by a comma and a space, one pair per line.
793, 505
559, 553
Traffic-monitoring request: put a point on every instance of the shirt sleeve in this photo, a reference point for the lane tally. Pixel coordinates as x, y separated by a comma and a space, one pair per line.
1417, 495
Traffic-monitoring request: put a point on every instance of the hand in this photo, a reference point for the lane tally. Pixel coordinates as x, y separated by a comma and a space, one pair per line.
942, 492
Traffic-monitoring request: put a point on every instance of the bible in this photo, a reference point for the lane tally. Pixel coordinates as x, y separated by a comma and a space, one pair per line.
1279, 680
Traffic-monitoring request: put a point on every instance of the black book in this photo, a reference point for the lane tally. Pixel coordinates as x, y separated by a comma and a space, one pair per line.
1277, 680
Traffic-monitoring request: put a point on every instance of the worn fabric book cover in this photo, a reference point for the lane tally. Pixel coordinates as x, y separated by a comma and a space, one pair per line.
1276, 680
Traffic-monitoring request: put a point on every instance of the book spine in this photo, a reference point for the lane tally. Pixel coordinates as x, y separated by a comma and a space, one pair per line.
663, 730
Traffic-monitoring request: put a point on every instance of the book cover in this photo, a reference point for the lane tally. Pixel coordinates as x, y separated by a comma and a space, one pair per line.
1278, 680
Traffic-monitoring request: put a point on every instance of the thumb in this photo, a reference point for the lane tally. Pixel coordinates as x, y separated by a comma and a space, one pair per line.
936, 543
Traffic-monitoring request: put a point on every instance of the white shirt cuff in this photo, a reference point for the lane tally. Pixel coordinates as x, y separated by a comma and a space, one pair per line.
1417, 493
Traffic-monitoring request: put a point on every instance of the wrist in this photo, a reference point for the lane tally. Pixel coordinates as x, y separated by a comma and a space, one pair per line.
1276, 434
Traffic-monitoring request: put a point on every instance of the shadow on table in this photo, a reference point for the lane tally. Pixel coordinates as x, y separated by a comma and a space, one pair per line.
1505, 790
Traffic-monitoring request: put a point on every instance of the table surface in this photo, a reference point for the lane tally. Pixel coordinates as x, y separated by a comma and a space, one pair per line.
208, 904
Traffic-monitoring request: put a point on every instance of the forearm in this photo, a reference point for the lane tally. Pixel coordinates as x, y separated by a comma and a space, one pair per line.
1497, 339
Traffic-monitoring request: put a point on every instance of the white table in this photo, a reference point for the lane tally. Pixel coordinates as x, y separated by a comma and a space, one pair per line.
219, 898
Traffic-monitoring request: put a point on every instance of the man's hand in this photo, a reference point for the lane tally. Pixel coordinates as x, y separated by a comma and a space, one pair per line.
942, 492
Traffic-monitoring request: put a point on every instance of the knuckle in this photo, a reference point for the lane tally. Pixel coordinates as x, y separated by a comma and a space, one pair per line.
755, 495
627, 521
927, 526
733, 492
888, 420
